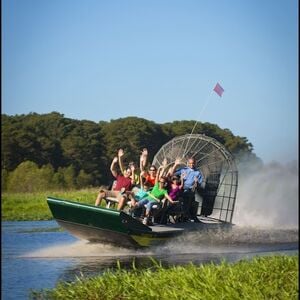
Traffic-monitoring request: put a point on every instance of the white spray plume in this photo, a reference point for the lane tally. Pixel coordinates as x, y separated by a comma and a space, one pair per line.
268, 197
83, 248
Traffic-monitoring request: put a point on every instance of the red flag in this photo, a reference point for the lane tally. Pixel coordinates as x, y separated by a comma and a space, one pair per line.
219, 90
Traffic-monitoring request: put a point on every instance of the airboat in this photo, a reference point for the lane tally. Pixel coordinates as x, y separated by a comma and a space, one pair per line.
215, 198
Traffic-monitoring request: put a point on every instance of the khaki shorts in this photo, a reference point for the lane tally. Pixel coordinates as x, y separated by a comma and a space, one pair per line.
113, 194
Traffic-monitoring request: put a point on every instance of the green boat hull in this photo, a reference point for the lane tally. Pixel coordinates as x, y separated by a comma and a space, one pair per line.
98, 224
104, 225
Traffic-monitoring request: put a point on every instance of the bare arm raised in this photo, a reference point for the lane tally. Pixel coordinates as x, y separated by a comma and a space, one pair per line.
132, 168
120, 159
112, 167
160, 170
143, 159
172, 169
164, 167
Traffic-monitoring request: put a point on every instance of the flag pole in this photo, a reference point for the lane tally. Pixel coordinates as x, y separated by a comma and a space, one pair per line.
219, 90
202, 110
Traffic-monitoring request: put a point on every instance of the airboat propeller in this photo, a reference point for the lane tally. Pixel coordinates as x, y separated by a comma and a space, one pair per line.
217, 194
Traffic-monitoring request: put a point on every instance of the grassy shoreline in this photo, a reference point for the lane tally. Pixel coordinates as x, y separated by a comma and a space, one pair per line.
33, 206
272, 277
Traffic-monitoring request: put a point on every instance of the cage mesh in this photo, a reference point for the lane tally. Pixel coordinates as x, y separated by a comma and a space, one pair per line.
217, 196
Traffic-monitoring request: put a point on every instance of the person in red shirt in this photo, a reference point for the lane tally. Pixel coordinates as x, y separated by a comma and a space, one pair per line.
132, 166
123, 184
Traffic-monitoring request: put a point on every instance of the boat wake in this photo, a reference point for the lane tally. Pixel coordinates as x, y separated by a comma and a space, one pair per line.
237, 240
80, 248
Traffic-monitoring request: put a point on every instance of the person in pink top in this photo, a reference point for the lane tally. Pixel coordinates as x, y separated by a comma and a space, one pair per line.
123, 184
175, 187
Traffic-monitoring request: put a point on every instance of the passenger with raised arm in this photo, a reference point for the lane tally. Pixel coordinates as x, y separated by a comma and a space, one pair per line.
191, 179
150, 175
155, 196
175, 186
132, 166
122, 185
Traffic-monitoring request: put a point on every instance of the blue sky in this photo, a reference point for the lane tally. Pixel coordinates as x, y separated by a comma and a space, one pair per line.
159, 60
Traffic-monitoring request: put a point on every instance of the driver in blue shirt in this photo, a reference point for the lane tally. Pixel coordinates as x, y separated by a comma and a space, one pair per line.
191, 179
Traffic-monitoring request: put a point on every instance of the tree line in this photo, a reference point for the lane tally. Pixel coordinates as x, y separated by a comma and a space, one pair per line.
50, 151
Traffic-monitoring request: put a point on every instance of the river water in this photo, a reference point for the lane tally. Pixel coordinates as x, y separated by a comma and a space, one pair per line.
37, 255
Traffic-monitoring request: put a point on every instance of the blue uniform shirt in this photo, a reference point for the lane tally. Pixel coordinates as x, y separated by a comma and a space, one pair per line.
189, 178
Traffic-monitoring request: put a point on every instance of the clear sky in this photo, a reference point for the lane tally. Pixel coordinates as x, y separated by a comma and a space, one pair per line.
159, 60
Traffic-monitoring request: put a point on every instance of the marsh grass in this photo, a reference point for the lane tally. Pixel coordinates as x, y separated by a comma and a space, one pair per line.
33, 206
274, 277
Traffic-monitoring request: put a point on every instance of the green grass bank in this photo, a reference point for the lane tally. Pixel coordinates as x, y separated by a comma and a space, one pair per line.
33, 206
272, 277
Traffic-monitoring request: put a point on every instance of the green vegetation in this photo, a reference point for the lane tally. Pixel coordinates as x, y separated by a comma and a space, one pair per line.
51, 152
274, 277
33, 206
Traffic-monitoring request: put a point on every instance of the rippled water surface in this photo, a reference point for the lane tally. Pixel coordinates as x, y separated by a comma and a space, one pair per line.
37, 255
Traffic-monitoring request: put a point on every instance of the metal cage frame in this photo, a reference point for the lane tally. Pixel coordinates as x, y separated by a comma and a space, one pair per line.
217, 195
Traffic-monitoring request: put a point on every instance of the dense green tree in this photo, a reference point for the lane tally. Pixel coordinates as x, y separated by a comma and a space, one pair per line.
79, 153
83, 179
44, 178
28, 177
53, 139
22, 179
69, 175
178, 128
59, 179
83, 148
4, 179
235, 144
31, 137
132, 134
